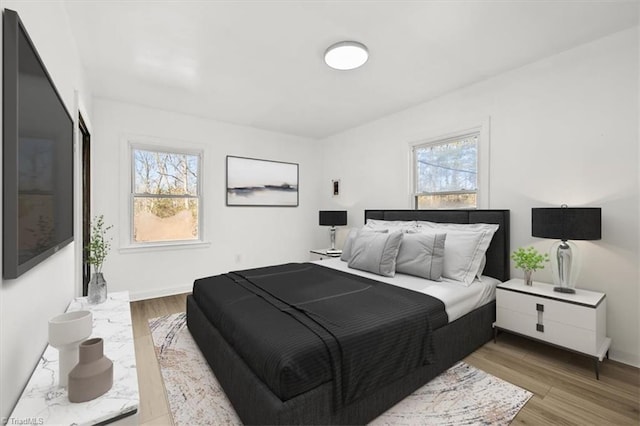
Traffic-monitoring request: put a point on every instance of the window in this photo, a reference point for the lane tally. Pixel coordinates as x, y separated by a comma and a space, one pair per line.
446, 172
165, 195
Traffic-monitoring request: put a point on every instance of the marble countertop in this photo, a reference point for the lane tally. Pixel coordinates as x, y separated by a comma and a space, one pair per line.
44, 402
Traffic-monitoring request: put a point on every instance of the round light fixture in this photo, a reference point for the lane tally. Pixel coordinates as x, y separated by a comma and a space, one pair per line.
346, 55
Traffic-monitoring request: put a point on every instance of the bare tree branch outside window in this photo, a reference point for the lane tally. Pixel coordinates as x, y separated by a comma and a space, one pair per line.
166, 198
447, 173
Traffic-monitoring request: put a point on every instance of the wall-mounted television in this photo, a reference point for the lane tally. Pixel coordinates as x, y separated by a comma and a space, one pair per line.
37, 163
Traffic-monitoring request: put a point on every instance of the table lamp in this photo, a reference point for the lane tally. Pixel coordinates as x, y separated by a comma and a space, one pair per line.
333, 218
564, 224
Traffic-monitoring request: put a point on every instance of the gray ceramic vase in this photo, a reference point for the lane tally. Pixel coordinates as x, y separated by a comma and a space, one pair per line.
93, 376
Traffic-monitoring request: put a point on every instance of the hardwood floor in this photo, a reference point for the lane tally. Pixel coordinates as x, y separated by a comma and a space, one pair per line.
564, 385
154, 409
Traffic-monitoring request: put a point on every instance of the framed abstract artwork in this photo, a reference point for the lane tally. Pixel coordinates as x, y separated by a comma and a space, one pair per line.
255, 182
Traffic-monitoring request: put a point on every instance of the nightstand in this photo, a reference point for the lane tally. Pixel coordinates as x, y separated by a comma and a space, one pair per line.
576, 322
321, 254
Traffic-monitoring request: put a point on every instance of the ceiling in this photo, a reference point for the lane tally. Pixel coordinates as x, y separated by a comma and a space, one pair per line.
260, 63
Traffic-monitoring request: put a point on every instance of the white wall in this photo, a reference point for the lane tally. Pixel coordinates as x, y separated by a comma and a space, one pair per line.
240, 237
563, 130
28, 302
577, 111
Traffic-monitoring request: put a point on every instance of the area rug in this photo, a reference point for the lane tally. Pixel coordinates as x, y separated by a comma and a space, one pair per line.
462, 395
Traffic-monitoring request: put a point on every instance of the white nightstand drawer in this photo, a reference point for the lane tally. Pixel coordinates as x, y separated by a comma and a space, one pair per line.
552, 310
576, 338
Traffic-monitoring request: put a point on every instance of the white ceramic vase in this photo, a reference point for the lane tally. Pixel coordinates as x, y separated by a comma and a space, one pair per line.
66, 332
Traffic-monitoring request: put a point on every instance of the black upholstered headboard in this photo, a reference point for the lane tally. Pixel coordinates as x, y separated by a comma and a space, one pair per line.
498, 251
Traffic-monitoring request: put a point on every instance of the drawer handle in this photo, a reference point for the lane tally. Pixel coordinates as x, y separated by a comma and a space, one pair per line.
539, 307
540, 328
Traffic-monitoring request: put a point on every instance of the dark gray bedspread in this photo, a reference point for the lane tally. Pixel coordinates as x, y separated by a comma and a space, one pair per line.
299, 325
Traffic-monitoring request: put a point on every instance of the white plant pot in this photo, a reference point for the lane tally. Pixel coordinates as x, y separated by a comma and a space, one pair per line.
66, 332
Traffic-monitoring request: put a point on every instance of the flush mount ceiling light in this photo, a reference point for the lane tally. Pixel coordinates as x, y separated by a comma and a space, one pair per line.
346, 55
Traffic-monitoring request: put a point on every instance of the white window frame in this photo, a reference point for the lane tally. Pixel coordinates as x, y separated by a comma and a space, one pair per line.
482, 130
132, 143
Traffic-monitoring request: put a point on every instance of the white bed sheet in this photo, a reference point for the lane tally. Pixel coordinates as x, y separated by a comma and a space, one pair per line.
458, 299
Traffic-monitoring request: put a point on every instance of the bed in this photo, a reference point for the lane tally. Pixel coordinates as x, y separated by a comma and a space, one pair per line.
342, 397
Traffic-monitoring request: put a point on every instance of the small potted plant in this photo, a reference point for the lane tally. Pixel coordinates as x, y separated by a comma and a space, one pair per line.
529, 260
97, 251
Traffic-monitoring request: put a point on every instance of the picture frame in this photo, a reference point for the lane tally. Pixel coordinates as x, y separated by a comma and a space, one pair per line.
261, 183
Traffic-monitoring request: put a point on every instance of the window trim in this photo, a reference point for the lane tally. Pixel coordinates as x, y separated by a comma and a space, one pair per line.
483, 163
132, 143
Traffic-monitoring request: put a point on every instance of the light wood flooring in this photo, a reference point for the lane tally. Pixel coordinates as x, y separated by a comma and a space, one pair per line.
564, 385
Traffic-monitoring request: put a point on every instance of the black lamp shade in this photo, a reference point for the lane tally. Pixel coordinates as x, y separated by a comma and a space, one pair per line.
567, 223
333, 217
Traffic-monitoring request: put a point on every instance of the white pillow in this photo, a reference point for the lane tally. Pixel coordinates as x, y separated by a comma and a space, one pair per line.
478, 227
464, 248
483, 263
391, 225
463, 252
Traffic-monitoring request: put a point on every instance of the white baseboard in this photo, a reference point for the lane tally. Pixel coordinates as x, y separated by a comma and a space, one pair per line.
160, 292
625, 358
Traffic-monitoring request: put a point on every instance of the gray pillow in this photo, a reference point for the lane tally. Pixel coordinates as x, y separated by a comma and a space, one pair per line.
353, 234
422, 255
376, 252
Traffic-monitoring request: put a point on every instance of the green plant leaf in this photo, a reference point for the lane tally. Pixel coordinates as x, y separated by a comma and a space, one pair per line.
99, 244
529, 259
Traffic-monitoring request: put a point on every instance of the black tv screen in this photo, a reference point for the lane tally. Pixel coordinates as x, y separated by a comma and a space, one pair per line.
37, 156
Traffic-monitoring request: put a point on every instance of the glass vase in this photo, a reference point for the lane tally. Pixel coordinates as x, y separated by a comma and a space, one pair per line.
97, 291
528, 277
